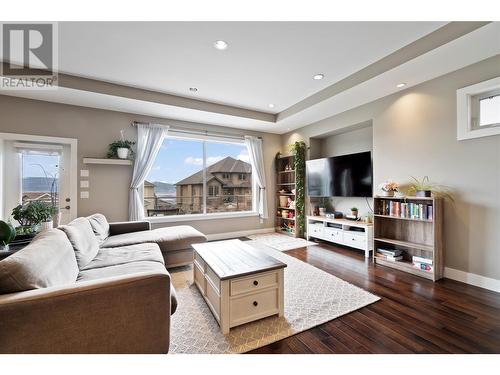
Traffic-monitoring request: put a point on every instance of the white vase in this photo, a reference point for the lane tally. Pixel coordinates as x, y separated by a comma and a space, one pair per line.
322, 211
56, 219
45, 225
122, 152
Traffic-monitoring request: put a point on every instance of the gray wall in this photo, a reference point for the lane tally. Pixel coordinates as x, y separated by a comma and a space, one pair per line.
415, 134
95, 129
349, 142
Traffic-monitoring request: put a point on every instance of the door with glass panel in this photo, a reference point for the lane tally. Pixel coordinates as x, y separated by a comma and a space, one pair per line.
37, 172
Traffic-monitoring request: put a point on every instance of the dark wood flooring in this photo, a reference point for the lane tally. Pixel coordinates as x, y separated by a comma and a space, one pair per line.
414, 315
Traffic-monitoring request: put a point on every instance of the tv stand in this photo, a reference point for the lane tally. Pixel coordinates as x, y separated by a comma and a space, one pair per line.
341, 231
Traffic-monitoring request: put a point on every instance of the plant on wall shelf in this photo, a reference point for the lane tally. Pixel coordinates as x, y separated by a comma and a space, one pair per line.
121, 149
298, 149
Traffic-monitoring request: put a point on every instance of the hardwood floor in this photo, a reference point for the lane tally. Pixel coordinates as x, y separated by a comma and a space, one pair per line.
414, 315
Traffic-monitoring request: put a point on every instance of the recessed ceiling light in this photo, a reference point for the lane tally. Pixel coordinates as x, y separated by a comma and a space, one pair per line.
318, 76
193, 89
220, 45
399, 85
271, 105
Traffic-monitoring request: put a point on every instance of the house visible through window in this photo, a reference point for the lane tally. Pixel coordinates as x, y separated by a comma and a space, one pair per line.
178, 185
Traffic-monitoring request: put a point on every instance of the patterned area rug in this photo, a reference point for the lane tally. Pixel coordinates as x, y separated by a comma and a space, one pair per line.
280, 242
312, 297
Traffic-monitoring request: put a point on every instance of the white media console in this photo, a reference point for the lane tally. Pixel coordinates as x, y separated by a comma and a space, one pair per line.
345, 232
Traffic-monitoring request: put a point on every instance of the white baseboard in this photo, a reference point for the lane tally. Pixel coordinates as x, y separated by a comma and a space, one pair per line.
243, 233
472, 279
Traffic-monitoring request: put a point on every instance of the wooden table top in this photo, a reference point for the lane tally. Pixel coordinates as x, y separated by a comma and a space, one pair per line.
234, 258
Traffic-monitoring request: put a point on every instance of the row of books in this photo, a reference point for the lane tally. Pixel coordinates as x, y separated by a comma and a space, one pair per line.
416, 211
396, 255
390, 254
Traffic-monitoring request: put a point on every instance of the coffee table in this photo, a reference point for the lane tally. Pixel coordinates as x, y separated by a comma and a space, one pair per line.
239, 283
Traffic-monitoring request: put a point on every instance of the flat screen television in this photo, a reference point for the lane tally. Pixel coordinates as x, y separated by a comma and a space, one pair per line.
340, 176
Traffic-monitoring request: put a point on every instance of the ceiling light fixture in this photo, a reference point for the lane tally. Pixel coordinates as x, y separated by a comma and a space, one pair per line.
271, 105
193, 89
317, 77
399, 85
220, 45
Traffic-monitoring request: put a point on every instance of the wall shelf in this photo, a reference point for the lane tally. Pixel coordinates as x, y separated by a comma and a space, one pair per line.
105, 161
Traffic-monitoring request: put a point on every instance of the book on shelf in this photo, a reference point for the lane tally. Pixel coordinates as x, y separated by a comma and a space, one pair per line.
417, 211
423, 266
416, 259
390, 252
390, 257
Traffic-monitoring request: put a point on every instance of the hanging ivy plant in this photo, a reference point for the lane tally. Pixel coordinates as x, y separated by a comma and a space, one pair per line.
299, 151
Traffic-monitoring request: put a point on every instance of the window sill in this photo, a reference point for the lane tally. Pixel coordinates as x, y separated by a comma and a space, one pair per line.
196, 217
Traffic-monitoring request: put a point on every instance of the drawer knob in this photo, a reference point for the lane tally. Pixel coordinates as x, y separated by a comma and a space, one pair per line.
255, 282
255, 303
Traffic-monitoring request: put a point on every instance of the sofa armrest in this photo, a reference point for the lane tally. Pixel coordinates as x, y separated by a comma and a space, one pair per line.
128, 227
125, 314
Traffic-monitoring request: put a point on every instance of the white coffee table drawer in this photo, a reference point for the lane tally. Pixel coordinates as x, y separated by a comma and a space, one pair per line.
213, 299
200, 261
253, 283
254, 306
199, 278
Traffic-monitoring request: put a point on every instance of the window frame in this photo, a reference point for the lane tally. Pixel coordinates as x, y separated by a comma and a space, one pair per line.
468, 110
180, 135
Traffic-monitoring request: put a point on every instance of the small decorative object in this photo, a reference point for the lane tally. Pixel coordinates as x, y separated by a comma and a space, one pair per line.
7, 234
424, 188
283, 200
354, 211
277, 161
291, 203
284, 214
121, 149
388, 188
293, 191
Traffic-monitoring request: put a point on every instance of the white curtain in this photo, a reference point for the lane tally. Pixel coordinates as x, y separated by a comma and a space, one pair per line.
254, 146
149, 140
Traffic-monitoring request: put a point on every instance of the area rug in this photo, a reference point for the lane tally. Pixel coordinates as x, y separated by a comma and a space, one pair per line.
312, 297
280, 242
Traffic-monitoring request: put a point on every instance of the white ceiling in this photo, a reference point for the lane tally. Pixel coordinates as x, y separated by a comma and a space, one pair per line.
266, 62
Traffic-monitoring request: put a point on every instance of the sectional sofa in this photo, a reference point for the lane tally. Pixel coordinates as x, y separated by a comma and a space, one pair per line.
92, 287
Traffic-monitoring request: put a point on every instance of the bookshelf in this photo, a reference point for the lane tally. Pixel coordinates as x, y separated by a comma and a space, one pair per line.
285, 184
413, 225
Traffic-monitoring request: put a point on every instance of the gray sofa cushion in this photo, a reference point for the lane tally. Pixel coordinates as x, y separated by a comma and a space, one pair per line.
120, 270
82, 237
127, 254
169, 239
49, 260
100, 226
129, 269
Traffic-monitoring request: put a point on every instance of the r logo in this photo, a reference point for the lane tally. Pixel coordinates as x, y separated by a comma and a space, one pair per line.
28, 49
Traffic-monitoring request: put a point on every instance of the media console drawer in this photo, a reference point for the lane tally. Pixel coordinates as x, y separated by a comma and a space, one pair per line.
341, 231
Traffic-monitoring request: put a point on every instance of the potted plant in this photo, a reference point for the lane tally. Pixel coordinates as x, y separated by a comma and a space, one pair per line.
7, 234
425, 188
354, 211
322, 207
121, 149
30, 215
388, 188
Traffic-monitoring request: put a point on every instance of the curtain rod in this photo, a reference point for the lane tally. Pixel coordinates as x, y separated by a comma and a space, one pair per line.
199, 132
